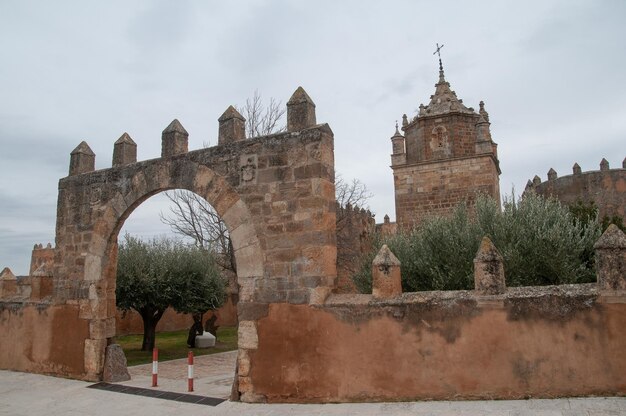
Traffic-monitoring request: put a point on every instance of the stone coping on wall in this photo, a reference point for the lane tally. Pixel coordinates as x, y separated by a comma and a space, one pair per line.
589, 290
579, 175
225, 150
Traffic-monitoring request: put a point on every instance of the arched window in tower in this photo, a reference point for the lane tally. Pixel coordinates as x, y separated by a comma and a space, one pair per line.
439, 143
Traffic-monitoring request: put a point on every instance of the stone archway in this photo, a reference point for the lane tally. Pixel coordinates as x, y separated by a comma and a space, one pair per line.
129, 191
275, 194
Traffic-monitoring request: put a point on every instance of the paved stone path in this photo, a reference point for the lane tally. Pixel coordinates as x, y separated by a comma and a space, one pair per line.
23, 394
213, 375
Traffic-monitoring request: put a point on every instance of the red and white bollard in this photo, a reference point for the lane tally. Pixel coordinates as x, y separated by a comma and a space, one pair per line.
155, 366
190, 371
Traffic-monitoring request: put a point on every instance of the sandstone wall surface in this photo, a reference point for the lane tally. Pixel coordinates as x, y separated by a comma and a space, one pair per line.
436, 188
42, 338
605, 188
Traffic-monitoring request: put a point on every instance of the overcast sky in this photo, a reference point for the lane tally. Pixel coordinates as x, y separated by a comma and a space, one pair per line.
550, 72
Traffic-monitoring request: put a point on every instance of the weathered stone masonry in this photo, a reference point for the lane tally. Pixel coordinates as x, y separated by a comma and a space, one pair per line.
445, 158
297, 342
605, 188
276, 194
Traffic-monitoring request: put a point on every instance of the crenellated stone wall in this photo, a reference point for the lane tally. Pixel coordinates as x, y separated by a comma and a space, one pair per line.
276, 195
355, 231
605, 188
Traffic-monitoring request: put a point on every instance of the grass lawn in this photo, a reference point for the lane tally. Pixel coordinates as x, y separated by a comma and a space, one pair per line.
173, 345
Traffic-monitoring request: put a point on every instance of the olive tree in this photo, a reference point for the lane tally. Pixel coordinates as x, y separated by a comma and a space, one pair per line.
162, 273
541, 243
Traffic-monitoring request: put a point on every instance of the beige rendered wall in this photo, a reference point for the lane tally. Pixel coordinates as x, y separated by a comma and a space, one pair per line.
42, 338
529, 342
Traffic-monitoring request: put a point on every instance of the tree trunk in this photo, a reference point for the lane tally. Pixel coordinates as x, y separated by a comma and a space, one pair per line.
150, 319
231, 255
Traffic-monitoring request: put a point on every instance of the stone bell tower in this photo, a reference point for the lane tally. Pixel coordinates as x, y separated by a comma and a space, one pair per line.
445, 157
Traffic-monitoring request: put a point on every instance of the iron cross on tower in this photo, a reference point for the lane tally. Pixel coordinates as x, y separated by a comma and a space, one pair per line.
439, 54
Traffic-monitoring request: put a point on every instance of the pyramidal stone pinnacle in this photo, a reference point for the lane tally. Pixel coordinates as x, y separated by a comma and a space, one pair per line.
175, 127
83, 148
232, 127
300, 96
124, 151
604, 164
82, 159
125, 139
300, 111
174, 139
231, 112
7, 274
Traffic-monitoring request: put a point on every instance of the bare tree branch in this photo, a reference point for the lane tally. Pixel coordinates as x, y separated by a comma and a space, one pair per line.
261, 119
353, 193
192, 216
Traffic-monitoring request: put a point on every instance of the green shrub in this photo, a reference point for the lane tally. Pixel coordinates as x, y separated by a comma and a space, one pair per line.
541, 243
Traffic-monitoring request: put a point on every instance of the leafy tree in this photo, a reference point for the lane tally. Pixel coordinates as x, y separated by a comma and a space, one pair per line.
154, 276
539, 239
584, 212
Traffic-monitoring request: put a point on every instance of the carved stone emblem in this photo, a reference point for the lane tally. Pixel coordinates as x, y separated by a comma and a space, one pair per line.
248, 169
95, 195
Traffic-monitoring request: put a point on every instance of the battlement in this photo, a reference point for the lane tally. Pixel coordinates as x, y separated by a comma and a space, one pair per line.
355, 228
42, 260
354, 213
174, 138
605, 188
387, 228
38, 284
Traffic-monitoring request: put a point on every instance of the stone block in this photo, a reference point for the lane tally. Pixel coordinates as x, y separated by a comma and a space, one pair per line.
174, 139
232, 127
124, 151
318, 295
222, 198
611, 259
203, 179
247, 335
243, 236
386, 278
251, 397
300, 111
82, 159
243, 362
115, 365
98, 329
110, 327
249, 261
245, 384
206, 340
246, 288
93, 267
94, 355
488, 269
